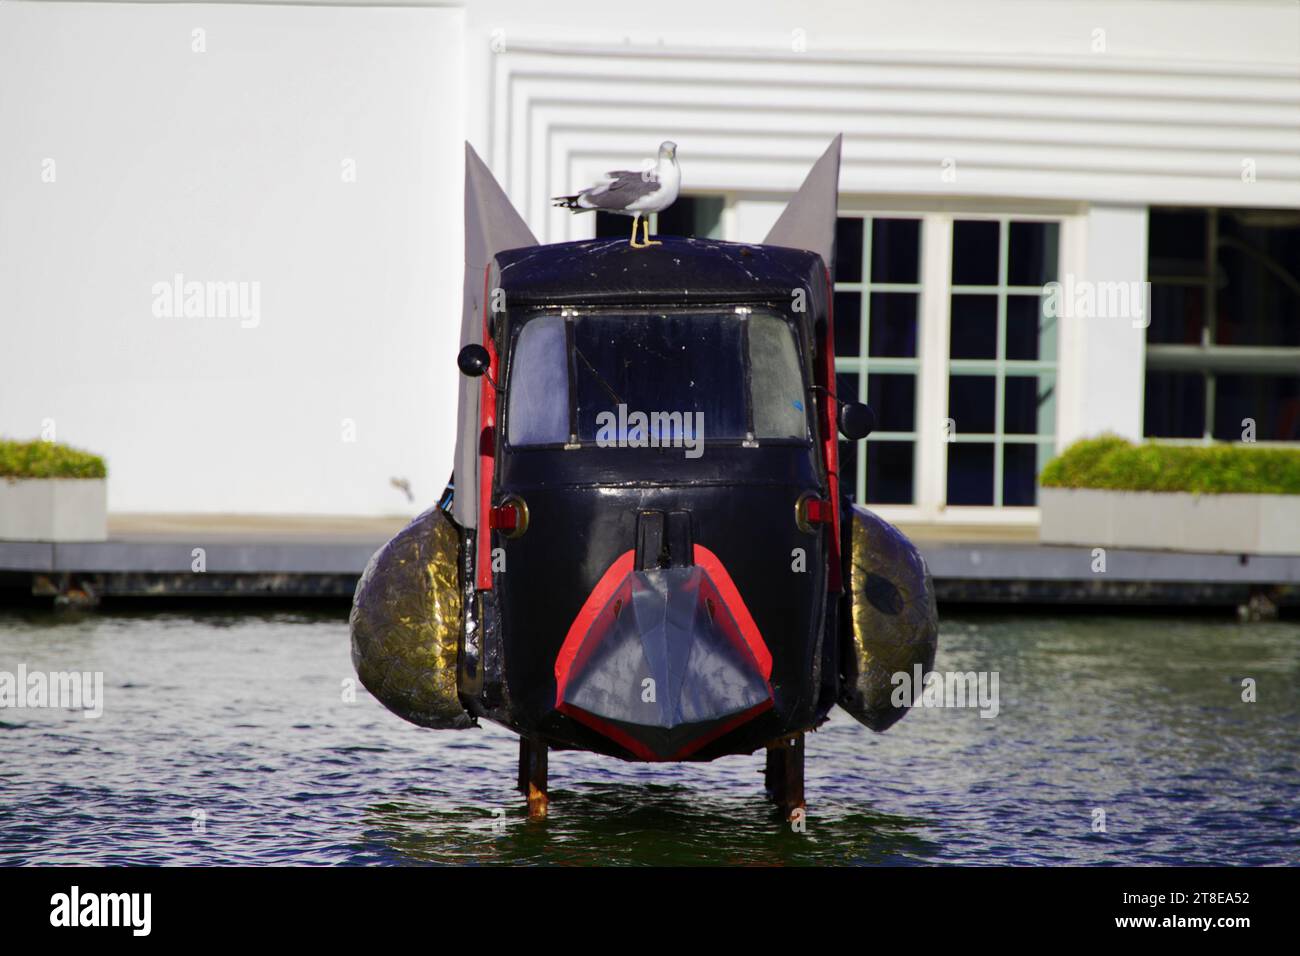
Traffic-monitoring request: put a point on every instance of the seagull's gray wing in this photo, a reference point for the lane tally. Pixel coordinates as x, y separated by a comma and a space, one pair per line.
619, 190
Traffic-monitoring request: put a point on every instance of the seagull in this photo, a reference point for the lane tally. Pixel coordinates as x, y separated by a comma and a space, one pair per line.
634, 194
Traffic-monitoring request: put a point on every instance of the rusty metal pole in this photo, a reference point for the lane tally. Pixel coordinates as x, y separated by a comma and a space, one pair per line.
783, 774
532, 776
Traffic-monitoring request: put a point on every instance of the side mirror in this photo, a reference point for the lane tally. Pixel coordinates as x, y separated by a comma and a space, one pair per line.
474, 361
857, 420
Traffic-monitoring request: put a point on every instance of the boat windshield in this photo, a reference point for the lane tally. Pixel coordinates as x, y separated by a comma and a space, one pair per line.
649, 378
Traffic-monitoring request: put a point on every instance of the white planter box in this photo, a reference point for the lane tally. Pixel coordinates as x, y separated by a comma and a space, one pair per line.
1177, 521
53, 509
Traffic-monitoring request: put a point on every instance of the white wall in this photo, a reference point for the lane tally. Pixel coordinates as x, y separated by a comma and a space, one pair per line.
1090, 110
1109, 102
228, 165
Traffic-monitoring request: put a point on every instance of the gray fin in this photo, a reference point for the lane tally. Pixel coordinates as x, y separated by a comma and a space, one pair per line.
491, 225
808, 221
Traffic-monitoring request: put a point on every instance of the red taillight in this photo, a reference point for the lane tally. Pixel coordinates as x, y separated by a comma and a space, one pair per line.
818, 511
811, 511
510, 517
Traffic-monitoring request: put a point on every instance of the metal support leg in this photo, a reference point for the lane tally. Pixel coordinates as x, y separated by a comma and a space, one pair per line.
783, 775
532, 776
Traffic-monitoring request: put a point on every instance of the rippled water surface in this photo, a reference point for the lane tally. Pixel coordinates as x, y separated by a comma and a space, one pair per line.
241, 718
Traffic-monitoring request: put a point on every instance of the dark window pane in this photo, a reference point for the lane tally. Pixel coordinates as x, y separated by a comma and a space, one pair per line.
889, 472
1019, 475
973, 333
1238, 300
1177, 242
1174, 406
708, 216
848, 323
1032, 253
895, 250
849, 468
970, 474
611, 225
846, 386
1177, 314
893, 399
1258, 279
623, 359
974, 252
678, 219
892, 324
971, 403
1024, 395
690, 216
848, 249
699, 216
1027, 329
1273, 401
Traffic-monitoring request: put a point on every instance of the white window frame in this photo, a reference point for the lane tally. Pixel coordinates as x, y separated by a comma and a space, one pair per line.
930, 463
862, 364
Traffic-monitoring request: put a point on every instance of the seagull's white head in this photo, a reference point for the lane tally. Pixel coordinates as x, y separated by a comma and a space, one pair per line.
668, 151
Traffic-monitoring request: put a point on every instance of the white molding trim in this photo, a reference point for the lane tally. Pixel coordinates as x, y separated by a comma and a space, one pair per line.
957, 516
917, 58
931, 460
1020, 128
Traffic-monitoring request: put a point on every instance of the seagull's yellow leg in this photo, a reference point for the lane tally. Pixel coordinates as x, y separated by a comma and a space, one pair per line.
645, 231
632, 242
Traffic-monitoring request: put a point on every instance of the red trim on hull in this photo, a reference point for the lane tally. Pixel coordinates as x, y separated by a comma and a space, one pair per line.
626, 740
487, 449
574, 652
717, 572
596, 602
725, 727
612, 731
830, 440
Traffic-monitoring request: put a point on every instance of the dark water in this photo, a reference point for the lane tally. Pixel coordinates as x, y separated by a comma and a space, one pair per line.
241, 717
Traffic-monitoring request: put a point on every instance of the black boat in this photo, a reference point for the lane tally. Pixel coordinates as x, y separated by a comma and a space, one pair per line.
645, 551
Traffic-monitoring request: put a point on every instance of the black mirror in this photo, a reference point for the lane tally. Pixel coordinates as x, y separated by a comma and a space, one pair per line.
857, 420
474, 361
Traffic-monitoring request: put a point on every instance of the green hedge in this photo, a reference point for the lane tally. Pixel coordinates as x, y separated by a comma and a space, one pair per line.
45, 459
1112, 462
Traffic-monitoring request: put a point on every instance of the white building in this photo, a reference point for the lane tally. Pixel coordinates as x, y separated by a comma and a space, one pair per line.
312, 155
